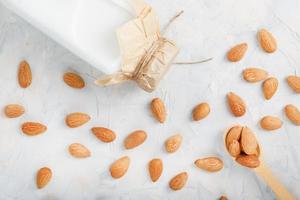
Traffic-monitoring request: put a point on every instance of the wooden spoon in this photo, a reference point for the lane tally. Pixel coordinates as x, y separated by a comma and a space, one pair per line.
266, 174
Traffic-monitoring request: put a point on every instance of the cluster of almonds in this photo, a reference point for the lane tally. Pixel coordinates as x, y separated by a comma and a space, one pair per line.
269, 85
240, 141
119, 168
243, 146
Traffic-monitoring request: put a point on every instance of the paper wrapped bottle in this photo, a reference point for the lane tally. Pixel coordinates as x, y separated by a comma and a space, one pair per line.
146, 55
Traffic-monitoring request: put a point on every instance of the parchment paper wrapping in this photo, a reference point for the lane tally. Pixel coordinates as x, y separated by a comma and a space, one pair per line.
146, 54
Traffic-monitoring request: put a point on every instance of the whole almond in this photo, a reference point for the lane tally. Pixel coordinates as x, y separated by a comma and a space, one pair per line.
270, 123
236, 104
77, 119
234, 148
104, 134
179, 181
250, 161
248, 141
253, 75
119, 167
33, 128
173, 143
43, 177
233, 134
79, 151
270, 87
24, 74
155, 169
293, 113
237, 52
14, 110
158, 110
210, 164
201, 111
135, 139
294, 83
223, 198
267, 41
74, 80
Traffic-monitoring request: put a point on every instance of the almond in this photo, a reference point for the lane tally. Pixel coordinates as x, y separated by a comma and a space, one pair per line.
294, 83
79, 151
74, 80
210, 164
223, 198
234, 148
77, 119
236, 104
253, 75
233, 134
270, 123
24, 74
119, 167
237, 52
293, 113
33, 128
267, 41
179, 181
250, 161
14, 110
201, 111
135, 139
158, 110
104, 134
173, 143
43, 177
270, 86
248, 141
155, 169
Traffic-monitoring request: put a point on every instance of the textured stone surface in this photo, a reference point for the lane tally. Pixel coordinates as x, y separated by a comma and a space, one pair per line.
207, 29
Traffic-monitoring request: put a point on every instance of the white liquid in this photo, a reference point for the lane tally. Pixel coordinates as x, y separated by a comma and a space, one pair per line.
86, 27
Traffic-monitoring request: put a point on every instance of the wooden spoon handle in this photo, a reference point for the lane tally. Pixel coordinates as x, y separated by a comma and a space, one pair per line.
280, 191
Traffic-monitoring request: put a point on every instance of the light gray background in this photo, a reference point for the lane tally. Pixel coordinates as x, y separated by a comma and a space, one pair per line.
207, 29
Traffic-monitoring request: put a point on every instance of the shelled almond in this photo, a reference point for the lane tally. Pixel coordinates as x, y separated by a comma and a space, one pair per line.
236, 104
243, 146
250, 161
24, 74
43, 177
201, 111
74, 80
237, 52
77, 119
104, 134
155, 169
178, 181
159, 110
248, 141
79, 151
135, 139
33, 128
253, 75
270, 87
294, 83
210, 164
293, 113
267, 41
14, 110
234, 134
270, 123
119, 167
173, 143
